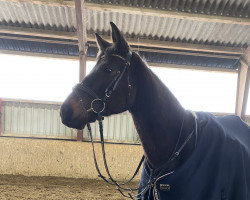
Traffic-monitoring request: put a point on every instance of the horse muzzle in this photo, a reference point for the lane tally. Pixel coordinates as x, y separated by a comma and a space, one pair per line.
72, 118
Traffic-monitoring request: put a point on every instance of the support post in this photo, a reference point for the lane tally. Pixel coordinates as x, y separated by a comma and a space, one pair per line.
82, 41
0, 116
243, 84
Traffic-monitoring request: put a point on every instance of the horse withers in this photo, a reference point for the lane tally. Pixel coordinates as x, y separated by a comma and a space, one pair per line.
188, 156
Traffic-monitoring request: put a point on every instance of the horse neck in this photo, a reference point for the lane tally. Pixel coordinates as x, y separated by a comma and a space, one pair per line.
157, 115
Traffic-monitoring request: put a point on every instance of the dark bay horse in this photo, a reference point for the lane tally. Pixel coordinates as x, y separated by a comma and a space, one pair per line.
188, 156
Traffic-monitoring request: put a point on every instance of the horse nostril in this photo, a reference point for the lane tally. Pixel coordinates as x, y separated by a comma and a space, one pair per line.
66, 113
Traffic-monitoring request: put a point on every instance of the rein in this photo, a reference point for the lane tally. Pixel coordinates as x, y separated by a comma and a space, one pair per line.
155, 174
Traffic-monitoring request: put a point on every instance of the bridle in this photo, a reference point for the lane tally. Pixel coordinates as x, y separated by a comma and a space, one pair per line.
108, 91
155, 174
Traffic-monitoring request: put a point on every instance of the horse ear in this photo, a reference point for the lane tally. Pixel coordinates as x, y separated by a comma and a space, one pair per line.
102, 44
119, 41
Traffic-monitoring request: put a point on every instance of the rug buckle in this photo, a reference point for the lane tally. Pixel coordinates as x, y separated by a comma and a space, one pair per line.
165, 187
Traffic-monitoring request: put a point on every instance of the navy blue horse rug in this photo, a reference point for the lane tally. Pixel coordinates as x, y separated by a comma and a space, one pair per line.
218, 169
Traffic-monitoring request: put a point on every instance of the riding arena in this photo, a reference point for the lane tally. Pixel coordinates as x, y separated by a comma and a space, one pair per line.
142, 100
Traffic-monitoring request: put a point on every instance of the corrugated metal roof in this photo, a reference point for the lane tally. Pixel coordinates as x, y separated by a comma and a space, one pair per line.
170, 29
62, 18
233, 8
30, 15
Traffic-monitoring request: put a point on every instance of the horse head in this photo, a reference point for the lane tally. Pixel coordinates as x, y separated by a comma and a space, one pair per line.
107, 89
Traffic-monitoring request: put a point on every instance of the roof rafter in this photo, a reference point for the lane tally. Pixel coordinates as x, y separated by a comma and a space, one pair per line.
243, 84
142, 43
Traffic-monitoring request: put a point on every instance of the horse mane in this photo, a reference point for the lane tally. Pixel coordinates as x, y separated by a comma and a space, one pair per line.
153, 80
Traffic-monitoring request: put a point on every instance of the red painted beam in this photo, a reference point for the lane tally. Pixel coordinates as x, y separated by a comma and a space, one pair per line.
79, 137
0, 116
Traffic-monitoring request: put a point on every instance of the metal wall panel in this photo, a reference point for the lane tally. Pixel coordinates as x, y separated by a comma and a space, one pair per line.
33, 120
117, 128
27, 119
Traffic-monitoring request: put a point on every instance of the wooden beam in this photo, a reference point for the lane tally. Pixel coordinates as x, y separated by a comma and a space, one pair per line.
243, 85
68, 3
81, 25
82, 41
43, 40
188, 47
42, 55
184, 67
246, 56
82, 36
178, 46
38, 32
146, 12
192, 67
132, 41
191, 53
246, 95
207, 54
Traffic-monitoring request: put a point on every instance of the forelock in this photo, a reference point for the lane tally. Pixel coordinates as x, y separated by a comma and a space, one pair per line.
108, 51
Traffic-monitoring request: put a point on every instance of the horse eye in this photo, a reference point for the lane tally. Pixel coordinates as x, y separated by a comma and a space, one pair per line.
108, 70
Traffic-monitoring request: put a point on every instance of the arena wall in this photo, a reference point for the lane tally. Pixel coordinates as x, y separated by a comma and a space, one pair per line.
41, 157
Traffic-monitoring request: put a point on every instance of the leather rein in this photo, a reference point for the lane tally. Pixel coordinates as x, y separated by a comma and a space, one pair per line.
155, 174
